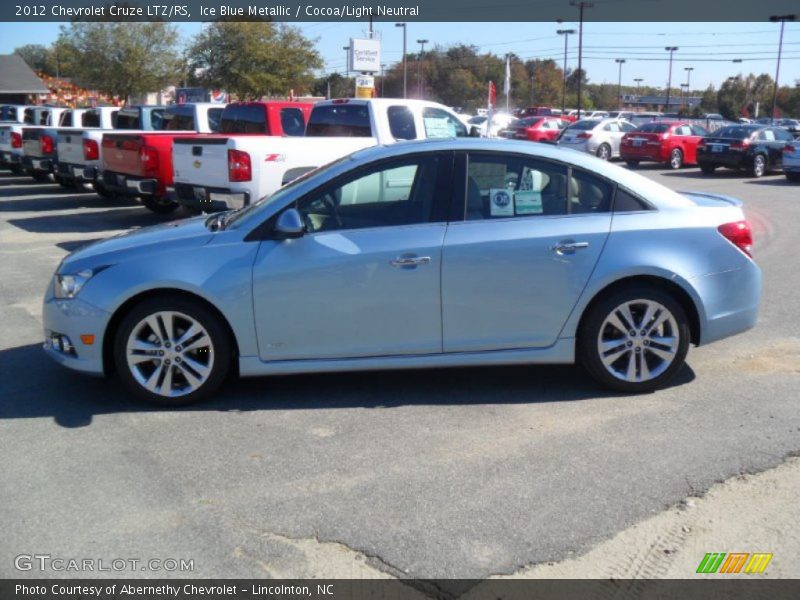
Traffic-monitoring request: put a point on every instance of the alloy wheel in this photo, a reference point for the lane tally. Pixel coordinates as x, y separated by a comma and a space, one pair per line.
676, 159
170, 354
638, 340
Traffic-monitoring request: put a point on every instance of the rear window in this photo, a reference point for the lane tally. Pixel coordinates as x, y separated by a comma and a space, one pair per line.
401, 123
293, 122
732, 131
8, 113
179, 118
126, 120
244, 118
339, 120
529, 122
91, 118
584, 125
654, 128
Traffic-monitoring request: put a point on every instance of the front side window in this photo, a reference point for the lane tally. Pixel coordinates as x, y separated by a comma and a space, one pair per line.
392, 194
91, 118
401, 123
292, 121
441, 124
767, 135
514, 186
243, 118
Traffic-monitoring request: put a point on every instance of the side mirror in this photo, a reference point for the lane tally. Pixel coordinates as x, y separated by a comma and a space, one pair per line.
289, 225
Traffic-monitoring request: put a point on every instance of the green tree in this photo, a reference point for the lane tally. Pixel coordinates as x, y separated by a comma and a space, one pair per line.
338, 85
252, 60
122, 59
547, 81
709, 102
35, 55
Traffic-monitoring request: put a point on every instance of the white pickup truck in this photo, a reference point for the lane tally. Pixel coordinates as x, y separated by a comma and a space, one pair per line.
78, 145
12, 118
39, 140
223, 172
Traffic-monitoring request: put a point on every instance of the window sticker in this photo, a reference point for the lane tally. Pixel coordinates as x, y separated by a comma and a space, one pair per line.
439, 127
528, 203
501, 202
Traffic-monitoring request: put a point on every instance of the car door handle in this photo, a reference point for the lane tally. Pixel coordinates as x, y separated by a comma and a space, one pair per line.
568, 247
410, 261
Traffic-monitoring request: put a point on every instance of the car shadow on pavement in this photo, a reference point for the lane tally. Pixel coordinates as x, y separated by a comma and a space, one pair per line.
719, 174
40, 388
65, 201
106, 221
782, 182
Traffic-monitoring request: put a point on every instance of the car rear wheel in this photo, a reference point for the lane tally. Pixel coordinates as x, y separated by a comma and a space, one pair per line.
759, 166
160, 205
41, 177
172, 351
632, 163
708, 169
604, 152
676, 158
634, 340
102, 190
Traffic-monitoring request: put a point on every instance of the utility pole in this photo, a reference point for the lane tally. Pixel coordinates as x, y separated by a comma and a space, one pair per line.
669, 49
346, 61
620, 62
782, 20
581, 5
566, 33
405, 66
420, 78
688, 81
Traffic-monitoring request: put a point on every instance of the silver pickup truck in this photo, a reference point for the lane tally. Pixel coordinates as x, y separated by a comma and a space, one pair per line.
78, 147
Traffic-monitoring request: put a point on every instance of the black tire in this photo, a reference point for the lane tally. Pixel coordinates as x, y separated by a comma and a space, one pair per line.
675, 159
41, 177
794, 177
588, 353
759, 166
162, 206
603, 152
632, 163
17, 170
221, 350
102, 190
708, 169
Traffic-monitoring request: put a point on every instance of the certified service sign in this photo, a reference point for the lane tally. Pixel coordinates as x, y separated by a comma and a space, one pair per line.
365, 55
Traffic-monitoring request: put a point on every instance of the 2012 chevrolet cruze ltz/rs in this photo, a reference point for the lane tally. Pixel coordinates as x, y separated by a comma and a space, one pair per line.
423, 254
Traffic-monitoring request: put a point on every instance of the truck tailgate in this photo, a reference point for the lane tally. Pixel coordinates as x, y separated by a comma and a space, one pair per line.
70, 146
201, 160
121, 153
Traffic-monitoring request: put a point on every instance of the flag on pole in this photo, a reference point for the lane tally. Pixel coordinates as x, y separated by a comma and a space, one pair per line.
492, 94
507, 82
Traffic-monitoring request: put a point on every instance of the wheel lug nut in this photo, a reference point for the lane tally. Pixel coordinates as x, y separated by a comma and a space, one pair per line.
630, 344
632, 333
161, 353
178, 348
167, 345
177, 359
166, 362
638, 350
643, 333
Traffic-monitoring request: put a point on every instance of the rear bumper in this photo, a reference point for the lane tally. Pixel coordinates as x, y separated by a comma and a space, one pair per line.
734, 161
209, 199
129, 185
37, 165
70, 172
10, 158
730, 302
644, 152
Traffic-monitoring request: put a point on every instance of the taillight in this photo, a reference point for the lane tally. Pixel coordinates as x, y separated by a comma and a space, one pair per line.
46, 144
740, 144
701, 143
663, 136
239, 166
789, 148
738, 234
90, 150
584, 136
16, 140
148, 156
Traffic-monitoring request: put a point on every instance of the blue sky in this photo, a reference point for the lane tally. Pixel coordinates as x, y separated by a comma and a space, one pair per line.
708, 48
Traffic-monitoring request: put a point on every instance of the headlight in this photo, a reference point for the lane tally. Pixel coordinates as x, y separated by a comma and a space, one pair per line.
69, 286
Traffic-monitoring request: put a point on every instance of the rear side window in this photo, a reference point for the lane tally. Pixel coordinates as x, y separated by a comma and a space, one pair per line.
340, 120
401, 123
157, 120
588, 193
28, 116
214, 116
697, 130
244, 118
126, 120
441, 124
292, 122
91, 118
179, 118
624, 201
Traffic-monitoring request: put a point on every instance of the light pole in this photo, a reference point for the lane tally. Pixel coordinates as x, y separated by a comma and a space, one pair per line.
782, 20
346, 60
638, 81
383, 79
405, 69
620, 62
420, 79
581, 5
566, 33
669, 49
684, 93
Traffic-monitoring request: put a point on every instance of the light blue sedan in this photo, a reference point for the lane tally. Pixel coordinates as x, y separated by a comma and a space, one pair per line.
422, 254
791, 161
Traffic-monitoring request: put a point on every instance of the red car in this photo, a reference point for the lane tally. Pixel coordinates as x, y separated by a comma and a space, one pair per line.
537, 129
671, 143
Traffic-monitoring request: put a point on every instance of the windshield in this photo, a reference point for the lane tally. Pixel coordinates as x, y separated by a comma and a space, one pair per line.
240, 214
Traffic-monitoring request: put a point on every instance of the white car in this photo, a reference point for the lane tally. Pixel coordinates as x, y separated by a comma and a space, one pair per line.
480, 127
600, 137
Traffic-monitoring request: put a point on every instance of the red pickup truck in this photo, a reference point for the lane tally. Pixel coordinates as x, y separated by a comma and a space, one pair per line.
140, 164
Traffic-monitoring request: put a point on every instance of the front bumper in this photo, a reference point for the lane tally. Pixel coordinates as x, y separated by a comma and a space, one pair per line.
730, 301
71, 319
37, 165
209, 199
129, 185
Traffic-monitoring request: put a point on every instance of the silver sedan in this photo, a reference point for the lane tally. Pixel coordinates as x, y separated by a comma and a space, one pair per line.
426, 254
600, 137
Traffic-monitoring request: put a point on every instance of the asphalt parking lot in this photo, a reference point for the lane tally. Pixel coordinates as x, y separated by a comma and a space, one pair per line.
459, 473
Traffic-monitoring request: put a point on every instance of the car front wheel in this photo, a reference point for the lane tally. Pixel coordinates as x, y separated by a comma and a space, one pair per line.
172, 351
634, 340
